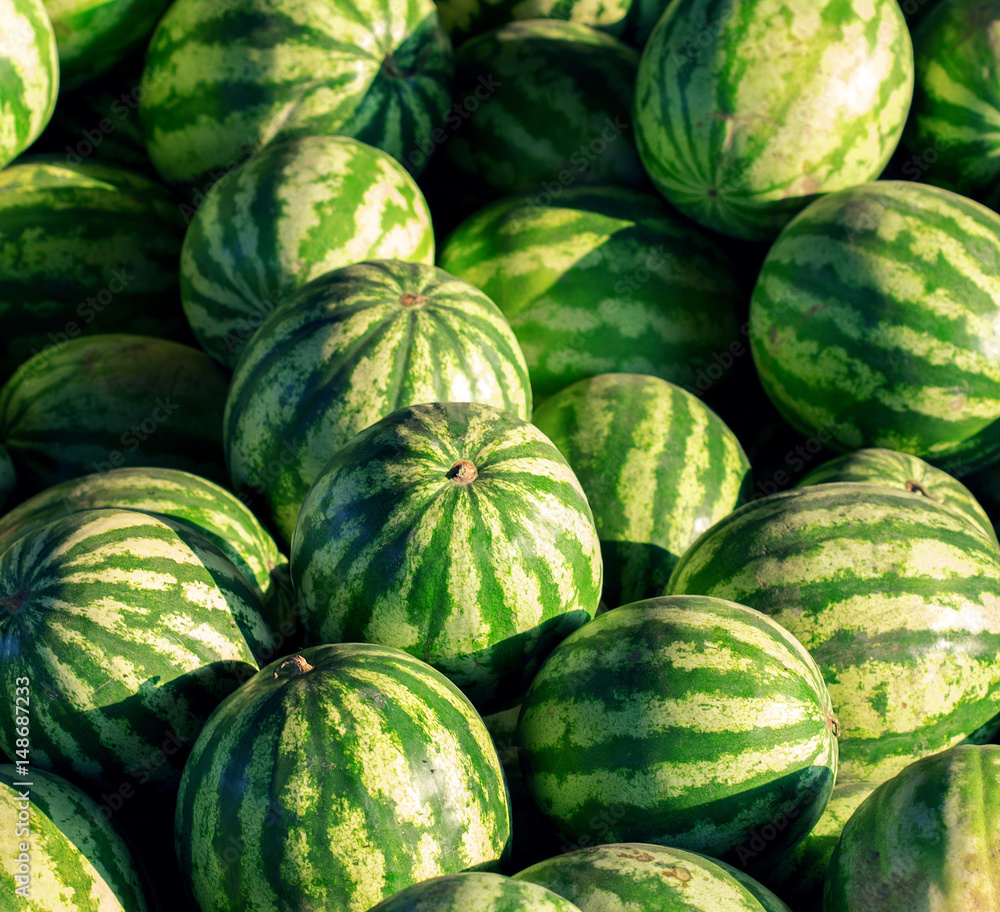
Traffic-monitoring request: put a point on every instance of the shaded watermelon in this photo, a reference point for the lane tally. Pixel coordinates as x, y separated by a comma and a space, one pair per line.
480, 891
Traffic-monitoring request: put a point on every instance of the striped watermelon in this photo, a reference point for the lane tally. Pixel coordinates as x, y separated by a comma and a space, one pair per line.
29, 75
106, 401
903, 472
952, 130
93, 36
131, 630
334, 779
637, 876
179, 496
799, 875
351, 347
602, 279
703, 722
8, 477
861, 328
897, 599
84, 249
454, 531
287, 216
658, 468
235, 78
926, 839
463, 19
745, 112
543, 105
62, 853
476, 890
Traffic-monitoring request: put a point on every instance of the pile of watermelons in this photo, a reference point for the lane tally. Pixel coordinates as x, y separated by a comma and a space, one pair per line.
499, 455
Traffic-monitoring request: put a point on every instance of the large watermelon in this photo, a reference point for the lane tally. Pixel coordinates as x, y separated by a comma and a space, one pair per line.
131, 629
454, 531
603, 279
746, 111
862, 327
60, 851
926, 839
84, 249
629, 877
547, 106
952, 131
349, 348
234, 78
287, 216
475, 892
904, 473
658, 468
703, 723
896, 597
334, 779
93, 36
106, 401
29, 75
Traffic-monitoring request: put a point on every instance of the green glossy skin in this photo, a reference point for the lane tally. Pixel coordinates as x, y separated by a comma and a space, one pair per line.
903, 472
29, 75
634, 876
109, 401
658, 468
799, 875
601, 280
234, 78
74, 854
952, 130
545, 103
131, 630
348, 349
477, 891
287, 216
454, 531
336, 783
93, 36
746, 112
862, 330
923, 840
84, 249
690, 722
897, 599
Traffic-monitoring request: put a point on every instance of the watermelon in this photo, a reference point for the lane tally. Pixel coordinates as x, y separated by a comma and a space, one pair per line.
29, 75
897, 598
179, 496
542, 105
463, 19
800, 873
8, 477
702, 722
334, 779
232, 79
93, 36
287, 216
925, 839
476, 890
952, 130
603, 279
105, 401
131, 630
905, 473
349, 348
658, 468
770, 901
861, 328
59, 848
84, 249
454, 531
638, 876
746, 112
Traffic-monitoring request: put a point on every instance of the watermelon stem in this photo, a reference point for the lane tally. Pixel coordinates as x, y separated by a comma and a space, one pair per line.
463, 473
920, 489
412, 300
300, 665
